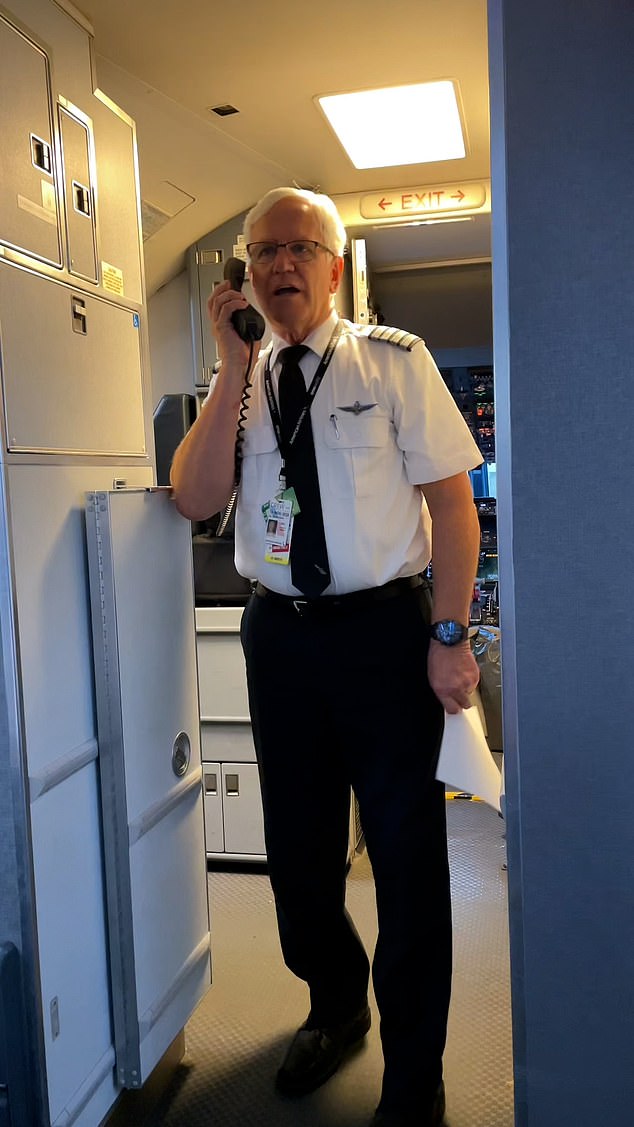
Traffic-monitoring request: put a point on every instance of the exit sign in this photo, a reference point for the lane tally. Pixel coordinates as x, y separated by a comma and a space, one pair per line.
403, 202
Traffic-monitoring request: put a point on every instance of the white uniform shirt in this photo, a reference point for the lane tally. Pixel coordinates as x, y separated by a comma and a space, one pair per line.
370, 462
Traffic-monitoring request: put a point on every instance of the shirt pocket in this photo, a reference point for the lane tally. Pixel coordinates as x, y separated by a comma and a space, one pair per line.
259, 450
359, 448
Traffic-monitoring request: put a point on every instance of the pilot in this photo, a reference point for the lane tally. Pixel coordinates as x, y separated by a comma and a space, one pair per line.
349, 437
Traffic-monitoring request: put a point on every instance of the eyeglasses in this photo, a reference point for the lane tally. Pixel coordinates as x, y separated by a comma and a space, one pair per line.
300, 250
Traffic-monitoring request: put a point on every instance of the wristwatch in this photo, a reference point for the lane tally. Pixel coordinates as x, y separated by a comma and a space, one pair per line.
449, 632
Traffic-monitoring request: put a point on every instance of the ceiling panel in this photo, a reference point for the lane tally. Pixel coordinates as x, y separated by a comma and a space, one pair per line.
167, 63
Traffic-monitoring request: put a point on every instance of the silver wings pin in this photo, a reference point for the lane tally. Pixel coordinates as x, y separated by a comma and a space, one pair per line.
356, 408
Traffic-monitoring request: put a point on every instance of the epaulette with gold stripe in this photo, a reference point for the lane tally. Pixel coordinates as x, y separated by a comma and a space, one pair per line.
399, 337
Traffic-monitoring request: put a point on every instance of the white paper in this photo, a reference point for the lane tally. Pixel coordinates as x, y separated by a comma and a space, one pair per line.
465, 759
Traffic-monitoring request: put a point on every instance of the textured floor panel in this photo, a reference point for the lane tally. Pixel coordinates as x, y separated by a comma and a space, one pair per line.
237, 1036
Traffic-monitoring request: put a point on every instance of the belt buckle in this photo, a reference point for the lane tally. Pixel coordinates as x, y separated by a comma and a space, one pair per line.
300, 605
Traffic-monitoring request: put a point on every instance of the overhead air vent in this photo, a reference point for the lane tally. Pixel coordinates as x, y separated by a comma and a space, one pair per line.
225, 110
167, 200
152, 219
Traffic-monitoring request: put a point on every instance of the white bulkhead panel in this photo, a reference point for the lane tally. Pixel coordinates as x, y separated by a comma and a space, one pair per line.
52, 607
234, 740
81, 250
171, 925
69, 45
147, 706
223, 687
72, 941
117, 200
29, 215
71, 369
153, 592
242, 808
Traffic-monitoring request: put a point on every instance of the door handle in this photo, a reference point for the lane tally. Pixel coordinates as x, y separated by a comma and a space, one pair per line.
181, 754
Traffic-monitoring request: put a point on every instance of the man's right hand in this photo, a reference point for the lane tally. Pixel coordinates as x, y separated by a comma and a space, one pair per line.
203, 467
222, 302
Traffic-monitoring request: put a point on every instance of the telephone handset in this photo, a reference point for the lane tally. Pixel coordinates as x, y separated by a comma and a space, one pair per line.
248, 323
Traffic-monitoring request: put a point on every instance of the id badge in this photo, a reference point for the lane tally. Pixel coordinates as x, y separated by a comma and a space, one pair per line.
278, 515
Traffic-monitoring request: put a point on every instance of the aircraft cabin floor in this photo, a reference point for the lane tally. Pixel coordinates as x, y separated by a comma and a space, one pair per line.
237, 1036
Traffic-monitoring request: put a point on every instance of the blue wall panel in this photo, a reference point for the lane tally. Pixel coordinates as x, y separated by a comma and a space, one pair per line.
562, 86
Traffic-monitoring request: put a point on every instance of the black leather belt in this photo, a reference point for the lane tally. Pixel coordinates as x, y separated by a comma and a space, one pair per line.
334, 604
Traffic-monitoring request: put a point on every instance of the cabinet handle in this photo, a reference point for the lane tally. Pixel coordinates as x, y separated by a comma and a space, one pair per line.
78, 312
232, 785
81, 198
211, 783
41, 154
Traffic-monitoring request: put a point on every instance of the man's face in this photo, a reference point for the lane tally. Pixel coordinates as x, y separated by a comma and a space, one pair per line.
294, 296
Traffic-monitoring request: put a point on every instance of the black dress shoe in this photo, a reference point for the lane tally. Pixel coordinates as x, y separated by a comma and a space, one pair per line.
435, 1118
314, 1054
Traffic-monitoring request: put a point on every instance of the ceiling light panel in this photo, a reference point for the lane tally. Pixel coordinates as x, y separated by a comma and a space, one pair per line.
397, 125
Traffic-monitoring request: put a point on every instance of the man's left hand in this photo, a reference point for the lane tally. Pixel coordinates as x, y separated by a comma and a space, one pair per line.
453, 674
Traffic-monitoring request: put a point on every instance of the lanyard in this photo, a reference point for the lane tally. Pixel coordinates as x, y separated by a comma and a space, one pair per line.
284, 447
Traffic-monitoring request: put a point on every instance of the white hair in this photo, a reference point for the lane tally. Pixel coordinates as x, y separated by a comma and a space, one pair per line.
332, 229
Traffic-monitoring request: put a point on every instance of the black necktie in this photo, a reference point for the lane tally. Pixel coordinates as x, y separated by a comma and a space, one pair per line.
309, 557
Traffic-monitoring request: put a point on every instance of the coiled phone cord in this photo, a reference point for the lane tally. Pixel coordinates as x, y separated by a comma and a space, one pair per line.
244, 406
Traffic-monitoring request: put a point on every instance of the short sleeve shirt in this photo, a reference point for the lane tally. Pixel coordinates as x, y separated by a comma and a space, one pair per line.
384, 423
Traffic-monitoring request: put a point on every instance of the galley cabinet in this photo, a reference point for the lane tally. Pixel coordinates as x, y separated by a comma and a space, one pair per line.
234, 827
76, 419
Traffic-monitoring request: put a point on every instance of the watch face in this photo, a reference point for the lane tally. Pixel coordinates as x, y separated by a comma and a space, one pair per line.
449, 632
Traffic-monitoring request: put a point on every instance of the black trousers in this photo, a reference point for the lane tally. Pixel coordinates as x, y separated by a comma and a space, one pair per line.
340, 700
